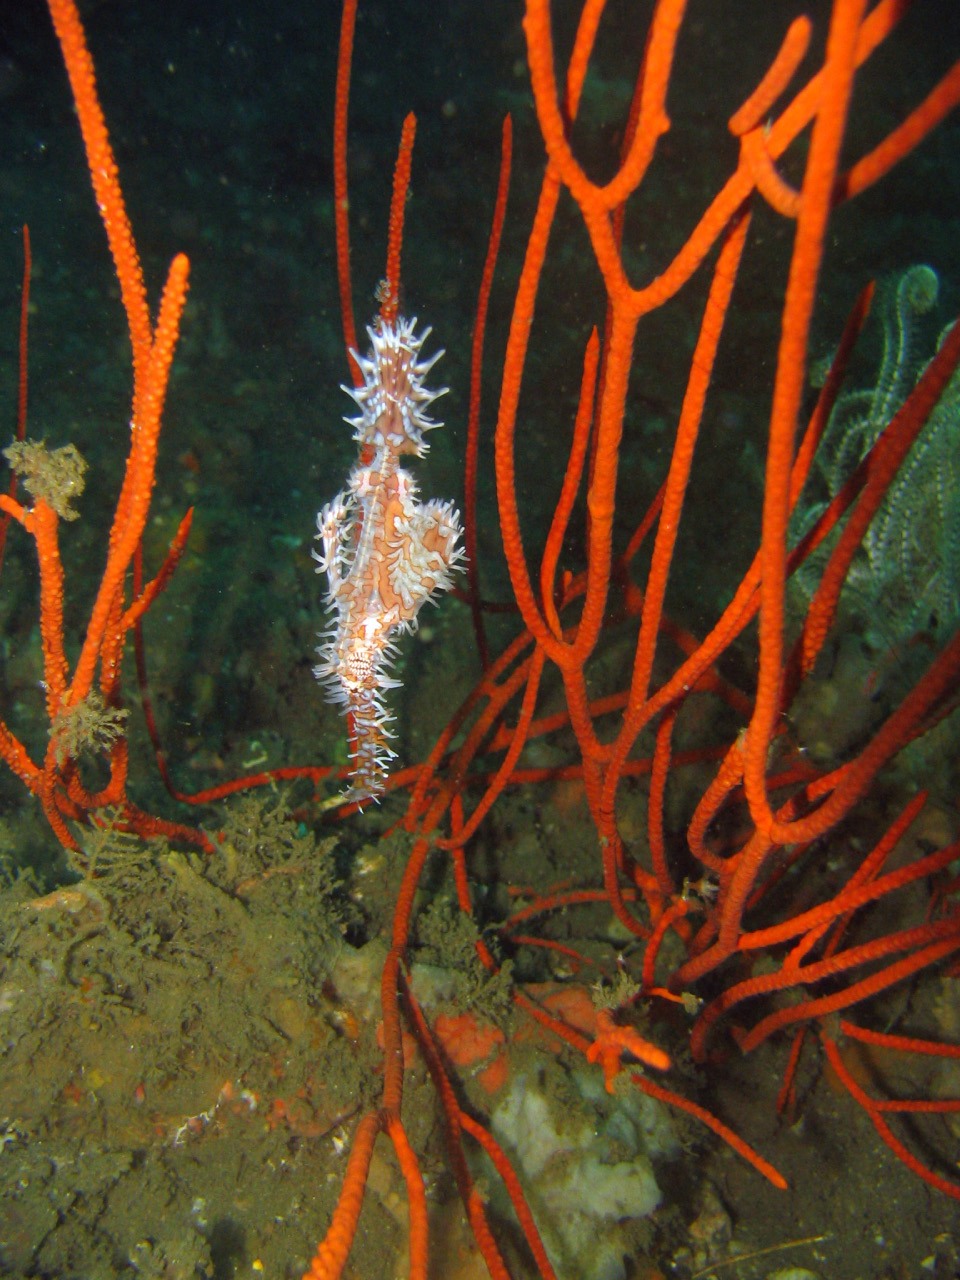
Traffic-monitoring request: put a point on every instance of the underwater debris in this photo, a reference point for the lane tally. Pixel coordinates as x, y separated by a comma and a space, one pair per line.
87, 725
53, 476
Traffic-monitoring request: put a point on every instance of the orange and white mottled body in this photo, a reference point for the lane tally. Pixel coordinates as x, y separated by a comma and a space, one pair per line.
384, 553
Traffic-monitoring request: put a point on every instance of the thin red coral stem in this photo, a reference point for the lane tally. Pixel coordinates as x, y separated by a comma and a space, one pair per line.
390, 299
454, 1120
571, 483
896, 1146
139, 479
723, 1131
503, 774
857, 991
871, 168
331, 1255
775, 79
341, 200
476, 371
855, 894
905, 1044
817, 187
676, 911
417, 1232
514, 1190
105, 179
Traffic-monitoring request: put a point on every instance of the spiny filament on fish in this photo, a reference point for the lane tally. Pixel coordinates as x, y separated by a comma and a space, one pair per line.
384, 553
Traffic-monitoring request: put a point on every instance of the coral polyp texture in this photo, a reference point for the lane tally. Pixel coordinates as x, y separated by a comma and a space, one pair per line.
384, 553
